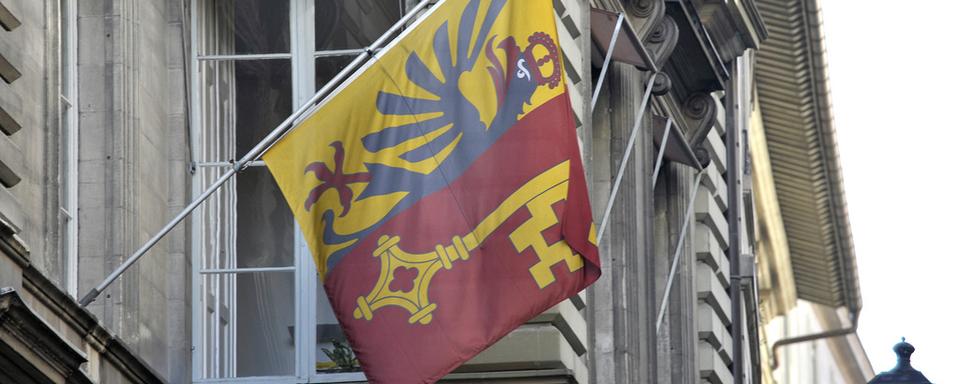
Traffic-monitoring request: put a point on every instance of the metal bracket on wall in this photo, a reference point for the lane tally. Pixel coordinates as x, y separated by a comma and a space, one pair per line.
673, 146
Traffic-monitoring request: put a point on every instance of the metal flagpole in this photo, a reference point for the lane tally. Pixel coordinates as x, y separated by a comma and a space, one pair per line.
676, 252
606, 61
254, 153
626, 157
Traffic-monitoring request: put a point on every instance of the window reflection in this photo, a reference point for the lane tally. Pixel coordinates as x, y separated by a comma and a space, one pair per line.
352, 24
249, 26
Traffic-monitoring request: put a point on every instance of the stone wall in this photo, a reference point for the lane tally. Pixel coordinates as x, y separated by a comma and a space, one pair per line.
30, 153
132, 173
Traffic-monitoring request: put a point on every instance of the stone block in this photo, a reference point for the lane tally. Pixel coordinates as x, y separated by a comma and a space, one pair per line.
709, 214
93, 136
718, 152
712, 368
711, 329
721, 124
713, 180
723, 271
532, 346
711, 292
706, 246
571, 323
90, 8
10, 211
10, 273
91, 46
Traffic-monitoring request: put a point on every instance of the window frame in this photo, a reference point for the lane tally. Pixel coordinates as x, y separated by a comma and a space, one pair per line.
69, 141
303, 57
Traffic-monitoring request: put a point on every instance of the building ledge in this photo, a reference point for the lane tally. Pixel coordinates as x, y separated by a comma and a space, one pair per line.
30, 350
61, 306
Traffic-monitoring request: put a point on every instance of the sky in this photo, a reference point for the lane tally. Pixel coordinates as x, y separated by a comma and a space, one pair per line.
895, 88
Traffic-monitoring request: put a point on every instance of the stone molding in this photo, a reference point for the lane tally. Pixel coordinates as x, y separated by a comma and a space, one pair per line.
18, 323
112, 350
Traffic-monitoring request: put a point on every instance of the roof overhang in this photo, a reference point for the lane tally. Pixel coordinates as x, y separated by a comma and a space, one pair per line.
793, 94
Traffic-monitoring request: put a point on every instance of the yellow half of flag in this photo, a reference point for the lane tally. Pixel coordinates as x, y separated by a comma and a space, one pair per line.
400, 112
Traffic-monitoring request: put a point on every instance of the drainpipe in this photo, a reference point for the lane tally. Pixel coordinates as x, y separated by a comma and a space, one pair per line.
732, 107
855, 317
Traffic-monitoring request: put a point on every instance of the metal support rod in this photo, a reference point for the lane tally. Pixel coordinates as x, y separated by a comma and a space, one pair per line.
662, 151
606, 61
253, 154
224, 164
626, 157
676, 252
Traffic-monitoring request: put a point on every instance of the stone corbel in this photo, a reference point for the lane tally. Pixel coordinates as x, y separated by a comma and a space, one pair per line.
645, 14
700, 111
662, 39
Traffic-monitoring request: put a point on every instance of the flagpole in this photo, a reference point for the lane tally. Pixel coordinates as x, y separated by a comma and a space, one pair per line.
254, 153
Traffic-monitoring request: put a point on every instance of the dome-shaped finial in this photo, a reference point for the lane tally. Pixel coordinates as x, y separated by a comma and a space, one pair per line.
903, 349
903, 372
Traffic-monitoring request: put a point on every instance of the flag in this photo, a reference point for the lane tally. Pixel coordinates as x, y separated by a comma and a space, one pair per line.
441, 190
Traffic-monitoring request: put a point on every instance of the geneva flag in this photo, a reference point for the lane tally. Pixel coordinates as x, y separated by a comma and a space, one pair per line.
441, 189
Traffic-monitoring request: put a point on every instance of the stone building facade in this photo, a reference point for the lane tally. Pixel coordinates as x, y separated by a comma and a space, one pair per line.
119, 112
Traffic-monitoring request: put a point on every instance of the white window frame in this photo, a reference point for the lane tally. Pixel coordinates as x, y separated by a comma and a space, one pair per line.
302, 57
69, 141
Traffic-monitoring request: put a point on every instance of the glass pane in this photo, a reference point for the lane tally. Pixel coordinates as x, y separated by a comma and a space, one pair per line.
245, 27
329, 333
265, 319
350, 24
265, 236
328, 67
218, 325
263, 99
241, 102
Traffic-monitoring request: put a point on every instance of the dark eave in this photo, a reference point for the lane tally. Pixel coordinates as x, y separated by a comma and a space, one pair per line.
694, 66
793, 93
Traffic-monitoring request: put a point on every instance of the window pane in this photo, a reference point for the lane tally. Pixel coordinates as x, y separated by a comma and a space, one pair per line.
350, 24
265, 236
328, 67
263, 99
328, 331
265, 319
245, 27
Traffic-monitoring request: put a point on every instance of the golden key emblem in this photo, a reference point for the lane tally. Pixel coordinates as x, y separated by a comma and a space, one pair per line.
538, 196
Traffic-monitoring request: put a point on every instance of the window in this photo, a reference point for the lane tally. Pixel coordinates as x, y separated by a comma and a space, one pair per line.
68, 144
256, 295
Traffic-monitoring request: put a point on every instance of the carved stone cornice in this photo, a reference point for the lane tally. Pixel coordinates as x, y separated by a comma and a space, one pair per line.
700, 111
19, 325
644, 8
662, 39
60, 305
